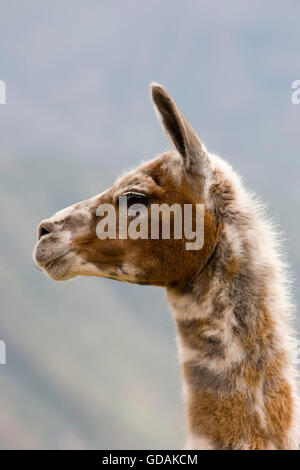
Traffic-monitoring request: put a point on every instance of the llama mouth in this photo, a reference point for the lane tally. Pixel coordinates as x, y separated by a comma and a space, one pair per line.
53, 262
59, 268
46, 256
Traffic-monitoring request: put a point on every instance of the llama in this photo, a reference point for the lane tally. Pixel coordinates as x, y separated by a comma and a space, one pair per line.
230, 298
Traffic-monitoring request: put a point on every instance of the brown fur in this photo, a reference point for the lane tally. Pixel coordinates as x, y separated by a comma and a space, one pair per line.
228, 421
159, 258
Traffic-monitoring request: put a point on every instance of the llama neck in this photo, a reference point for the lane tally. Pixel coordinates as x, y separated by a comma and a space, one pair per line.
234, 347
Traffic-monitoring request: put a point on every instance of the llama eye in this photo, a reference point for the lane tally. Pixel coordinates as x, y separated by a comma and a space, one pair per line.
136, 198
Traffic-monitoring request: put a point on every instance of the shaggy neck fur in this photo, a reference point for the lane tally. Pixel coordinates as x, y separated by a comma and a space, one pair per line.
234, 342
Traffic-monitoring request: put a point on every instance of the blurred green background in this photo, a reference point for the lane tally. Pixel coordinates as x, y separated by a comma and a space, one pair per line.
92, 363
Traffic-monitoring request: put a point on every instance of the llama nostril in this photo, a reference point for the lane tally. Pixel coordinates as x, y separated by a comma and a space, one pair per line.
44, 229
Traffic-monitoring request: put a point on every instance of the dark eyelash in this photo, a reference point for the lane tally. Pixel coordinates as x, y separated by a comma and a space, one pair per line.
136, 198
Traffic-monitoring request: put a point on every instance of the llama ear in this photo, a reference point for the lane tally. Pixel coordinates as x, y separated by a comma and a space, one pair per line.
179, 130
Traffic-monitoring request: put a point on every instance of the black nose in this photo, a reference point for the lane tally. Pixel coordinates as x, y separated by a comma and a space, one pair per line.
44, 229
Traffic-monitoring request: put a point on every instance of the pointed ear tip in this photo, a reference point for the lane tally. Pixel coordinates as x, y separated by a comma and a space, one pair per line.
157, 89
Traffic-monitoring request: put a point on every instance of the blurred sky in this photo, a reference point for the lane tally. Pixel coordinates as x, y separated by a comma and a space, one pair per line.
78, 75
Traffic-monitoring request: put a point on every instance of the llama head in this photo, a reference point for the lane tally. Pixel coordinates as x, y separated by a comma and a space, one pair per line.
69, 242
